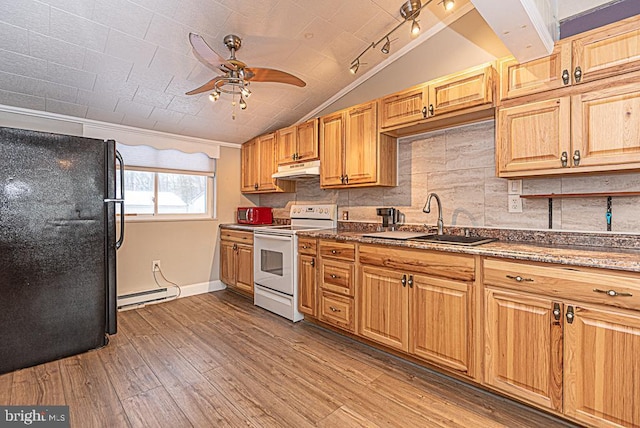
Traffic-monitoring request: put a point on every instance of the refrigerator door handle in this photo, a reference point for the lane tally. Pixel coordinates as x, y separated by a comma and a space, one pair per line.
120, 200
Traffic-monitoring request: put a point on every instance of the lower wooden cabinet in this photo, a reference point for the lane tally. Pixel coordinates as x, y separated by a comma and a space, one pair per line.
336, 284
337, 310
236, 260
524, 347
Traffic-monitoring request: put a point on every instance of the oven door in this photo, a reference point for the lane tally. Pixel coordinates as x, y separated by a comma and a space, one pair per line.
273, 262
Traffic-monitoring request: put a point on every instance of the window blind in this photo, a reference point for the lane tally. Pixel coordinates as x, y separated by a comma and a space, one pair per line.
169, 160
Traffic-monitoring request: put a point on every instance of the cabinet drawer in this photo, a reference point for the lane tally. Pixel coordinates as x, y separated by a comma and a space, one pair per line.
338, 250
237, 236
454, 266
565, 282
337, 310
337, 276
307, 246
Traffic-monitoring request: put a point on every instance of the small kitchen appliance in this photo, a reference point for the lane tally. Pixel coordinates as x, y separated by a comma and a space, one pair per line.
254, 215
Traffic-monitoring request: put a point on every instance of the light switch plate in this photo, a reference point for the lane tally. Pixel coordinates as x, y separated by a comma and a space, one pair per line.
515, 204
514, 187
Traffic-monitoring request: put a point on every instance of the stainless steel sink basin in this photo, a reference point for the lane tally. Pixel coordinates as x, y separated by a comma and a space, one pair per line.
455, 239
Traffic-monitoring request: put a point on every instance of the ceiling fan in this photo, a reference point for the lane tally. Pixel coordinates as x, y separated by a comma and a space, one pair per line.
235, 75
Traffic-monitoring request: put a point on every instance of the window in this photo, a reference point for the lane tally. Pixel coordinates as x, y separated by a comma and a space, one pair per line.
167, 183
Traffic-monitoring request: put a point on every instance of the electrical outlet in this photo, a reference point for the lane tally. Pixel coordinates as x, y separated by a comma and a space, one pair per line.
515, 204
155, 266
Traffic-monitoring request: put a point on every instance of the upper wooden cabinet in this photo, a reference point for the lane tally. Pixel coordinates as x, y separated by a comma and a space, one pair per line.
455, 92
298, 143
597, 54
353, 153
591, 131
258, 163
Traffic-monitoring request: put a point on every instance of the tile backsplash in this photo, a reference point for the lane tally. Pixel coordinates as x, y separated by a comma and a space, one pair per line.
459, 165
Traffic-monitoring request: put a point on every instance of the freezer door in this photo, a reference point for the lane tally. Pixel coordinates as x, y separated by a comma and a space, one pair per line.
54, 263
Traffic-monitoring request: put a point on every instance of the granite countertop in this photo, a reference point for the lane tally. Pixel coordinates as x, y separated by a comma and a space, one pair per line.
243, 227
601, 257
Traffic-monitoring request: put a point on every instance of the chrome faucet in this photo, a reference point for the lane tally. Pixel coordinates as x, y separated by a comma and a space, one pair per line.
427, 209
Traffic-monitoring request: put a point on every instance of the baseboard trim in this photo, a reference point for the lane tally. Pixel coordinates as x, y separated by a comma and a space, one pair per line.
171, 293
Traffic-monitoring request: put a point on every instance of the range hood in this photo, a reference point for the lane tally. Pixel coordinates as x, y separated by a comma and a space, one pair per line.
298, 171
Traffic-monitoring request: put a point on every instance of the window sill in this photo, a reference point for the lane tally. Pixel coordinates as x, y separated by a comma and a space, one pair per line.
164, 218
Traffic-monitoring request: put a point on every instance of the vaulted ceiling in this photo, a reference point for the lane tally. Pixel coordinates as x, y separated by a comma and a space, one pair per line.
130, 62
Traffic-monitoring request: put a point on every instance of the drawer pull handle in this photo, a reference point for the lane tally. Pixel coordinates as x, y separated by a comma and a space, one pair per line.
304, 247
313, 263
334, 276
334, 309
612, 293
519, 278
335, 252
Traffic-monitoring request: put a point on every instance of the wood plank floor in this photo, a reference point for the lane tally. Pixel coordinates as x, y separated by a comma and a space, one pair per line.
216, 360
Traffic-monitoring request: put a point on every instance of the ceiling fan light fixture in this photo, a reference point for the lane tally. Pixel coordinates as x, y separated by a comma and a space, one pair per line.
245, 92
448, 4
243, 103
415, 28
213, 96
386, 47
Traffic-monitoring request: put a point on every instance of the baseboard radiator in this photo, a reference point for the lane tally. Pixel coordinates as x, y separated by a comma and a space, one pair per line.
144, 297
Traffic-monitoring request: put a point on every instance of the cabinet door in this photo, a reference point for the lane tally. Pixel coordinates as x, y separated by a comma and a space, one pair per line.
384, 314
308, 140
244, 268
533, 137
307, 284
332, 150
228, 263
602, 367
543, 74
605, 127
267, 162
361, 144
249, 165
440, 321
462, 90
404, 107
286, 139
607, 52
523, 347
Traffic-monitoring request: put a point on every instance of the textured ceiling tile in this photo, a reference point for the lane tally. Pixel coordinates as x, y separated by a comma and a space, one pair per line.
116, 86
152, 98
250, 9
150, 79
292, 18
55, 50
14, 38
21, 100
173, 128
100, 63
102, 100
181, 86
70, 76
94, 113
124, 16
129, 48
184, 105
83, 8
173, 63
169, 34
139, 122
349, 9
28, 14
77, 30
133, 109
201, 16
69, 109
318, 34
166, 116
30, 86
162, 7
25, 65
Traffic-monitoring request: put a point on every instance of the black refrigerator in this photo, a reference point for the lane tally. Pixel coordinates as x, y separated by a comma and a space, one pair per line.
58, 242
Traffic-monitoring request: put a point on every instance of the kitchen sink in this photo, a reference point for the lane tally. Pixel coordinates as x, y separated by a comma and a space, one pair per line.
454, 239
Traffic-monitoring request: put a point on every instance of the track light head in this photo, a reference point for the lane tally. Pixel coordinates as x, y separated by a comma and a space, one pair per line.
386, 47
354, 66
448, 4
415, 28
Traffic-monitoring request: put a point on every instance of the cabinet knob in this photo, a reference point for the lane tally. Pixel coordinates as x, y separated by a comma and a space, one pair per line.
293, 156
346, 179
403, 281
518, 278
431, 109
334, 276
424, 111
556, 311
564, 158
570, 316
335, 252
255, 186
410, 281
334, 309
577, 74
576, 158
342, 179
565, 76
612, 293
313, 263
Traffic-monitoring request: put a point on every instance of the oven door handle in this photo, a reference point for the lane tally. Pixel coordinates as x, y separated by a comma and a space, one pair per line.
272, 237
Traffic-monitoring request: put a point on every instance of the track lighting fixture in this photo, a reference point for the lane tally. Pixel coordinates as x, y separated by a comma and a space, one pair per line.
448, 4
409, 11
387, 46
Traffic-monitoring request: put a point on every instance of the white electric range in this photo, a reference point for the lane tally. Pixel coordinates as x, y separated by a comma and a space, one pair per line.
275, 254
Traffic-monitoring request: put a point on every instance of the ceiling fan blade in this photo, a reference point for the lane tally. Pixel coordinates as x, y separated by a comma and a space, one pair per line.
208, 56
206, 87
271, 75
